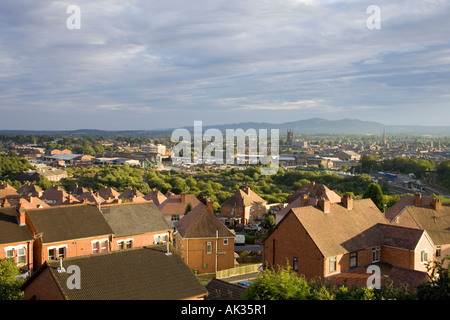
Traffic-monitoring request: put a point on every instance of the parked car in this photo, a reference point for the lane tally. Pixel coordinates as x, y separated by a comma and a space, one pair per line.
239, 240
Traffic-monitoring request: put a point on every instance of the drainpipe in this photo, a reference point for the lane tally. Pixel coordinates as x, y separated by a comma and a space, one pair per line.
217, 249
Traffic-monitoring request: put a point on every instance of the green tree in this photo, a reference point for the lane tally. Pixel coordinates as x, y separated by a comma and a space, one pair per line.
369, 164
283, 284
188, 208
439, 286
9, 284
270, 221
375, 193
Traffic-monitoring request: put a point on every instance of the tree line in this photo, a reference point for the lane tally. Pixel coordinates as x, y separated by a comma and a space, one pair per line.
418, 167
285, 284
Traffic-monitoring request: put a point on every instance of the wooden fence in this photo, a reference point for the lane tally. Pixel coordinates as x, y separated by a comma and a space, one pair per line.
236, 271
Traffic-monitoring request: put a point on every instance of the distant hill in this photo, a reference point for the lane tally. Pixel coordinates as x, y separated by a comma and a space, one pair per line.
342, 126
311, 126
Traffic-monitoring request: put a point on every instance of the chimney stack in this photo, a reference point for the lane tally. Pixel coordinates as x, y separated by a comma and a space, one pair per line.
417, 199
305, 198
183, 197
325, 205
347, 201
21, 215
210, 205
436, 204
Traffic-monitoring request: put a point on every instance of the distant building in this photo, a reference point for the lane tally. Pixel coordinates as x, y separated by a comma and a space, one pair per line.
52, 174
290, 138
151, 148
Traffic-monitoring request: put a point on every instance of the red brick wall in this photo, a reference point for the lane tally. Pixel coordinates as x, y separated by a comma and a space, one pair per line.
28, 252
193, 252
74, 248
225, 211
140, 240
43, 287
291, 240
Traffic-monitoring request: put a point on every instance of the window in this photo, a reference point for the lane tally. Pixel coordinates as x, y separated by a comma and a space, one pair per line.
333, 264
124, 244
232, 211
376, 254
56, 252
259, 206
104, 246
21, 256
95, 247
424, 256
438, 251
209, 247
52, 254
10, 254
62, 252
353, 259
225, 241
175, 217
295, 264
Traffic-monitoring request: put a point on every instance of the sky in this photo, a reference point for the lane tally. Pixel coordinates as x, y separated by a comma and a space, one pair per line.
146, 64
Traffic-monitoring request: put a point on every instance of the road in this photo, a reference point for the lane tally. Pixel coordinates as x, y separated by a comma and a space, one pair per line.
249, 247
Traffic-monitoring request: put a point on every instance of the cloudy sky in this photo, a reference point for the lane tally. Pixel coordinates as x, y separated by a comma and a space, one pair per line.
147, 64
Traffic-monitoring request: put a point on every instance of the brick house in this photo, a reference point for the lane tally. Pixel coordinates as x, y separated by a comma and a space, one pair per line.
8, 192
307, 195
56, 196
174, 207
426, 213
132, 195
29, 190
136, 224
108, 193
332, 238
16, 240
68, 231
243, 206
203, 241
146, 273
156, 196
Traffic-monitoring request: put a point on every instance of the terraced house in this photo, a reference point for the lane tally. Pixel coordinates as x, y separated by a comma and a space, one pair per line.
16, 241
145, 273
68, 231
136, 224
